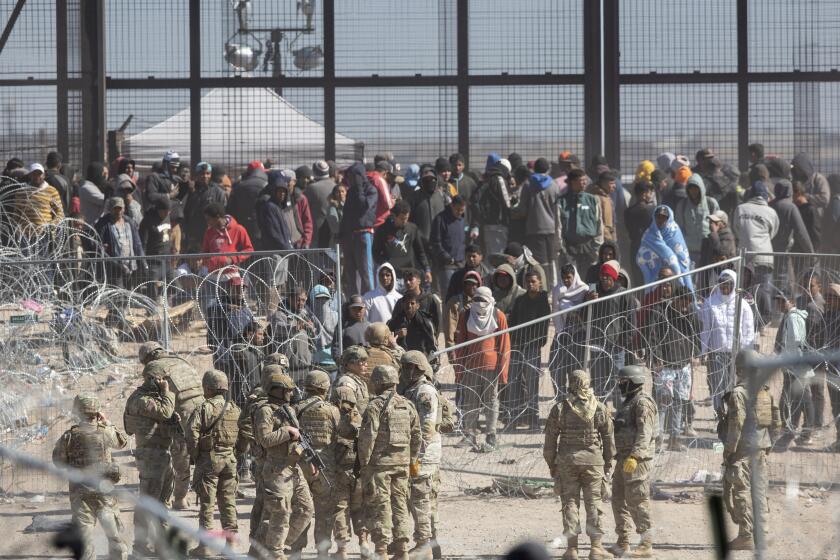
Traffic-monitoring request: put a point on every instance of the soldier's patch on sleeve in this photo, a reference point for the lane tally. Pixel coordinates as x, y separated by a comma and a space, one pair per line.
426, 402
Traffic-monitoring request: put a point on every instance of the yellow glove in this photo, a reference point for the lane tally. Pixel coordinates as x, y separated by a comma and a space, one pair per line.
414, 469
629, 465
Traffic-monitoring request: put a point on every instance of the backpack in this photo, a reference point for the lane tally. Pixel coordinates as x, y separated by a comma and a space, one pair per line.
447, 414
762, 412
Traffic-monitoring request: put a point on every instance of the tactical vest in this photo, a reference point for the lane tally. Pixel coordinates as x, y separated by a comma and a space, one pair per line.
763, 408
280, 453
577, 433
224, 433
87, 447
359, 387
316, 419
185, 382
396, 422
625, 426
147, 432
381, 356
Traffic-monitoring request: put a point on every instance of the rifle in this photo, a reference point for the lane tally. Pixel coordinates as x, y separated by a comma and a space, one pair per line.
305, 442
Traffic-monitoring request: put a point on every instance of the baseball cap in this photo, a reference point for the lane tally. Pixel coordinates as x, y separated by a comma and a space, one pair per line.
679, 161
473, 277
704, 154
719, 216
384, 166
356, 301
36, 167
256, 164
171, 156
568, 157
321, 168
115, 202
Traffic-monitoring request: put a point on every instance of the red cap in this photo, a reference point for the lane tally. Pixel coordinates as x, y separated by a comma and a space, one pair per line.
256, 164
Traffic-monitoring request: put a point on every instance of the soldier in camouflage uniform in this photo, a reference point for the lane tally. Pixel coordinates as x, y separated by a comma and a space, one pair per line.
417, 375
380, 351
389, 441
319, 419
354, 373
185, 383
211, 437
635, 430
579, 448
287, 503
749, 430
149, 417
87, 446
347, 492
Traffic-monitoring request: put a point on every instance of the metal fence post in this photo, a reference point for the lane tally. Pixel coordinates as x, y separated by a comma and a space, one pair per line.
736, 329
338, 296
165, 333
587, 353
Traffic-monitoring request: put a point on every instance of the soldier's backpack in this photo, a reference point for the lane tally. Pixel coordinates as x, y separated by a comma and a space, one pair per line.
87, 450
762, 412
447, 414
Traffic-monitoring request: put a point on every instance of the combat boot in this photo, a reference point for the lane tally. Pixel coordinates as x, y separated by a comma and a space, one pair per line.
341, 552
400, 551
571, 549
674, 444
181, 504
644, 550
380, 552
597, 550
741, 542
200, 551
364, 545
621, 547
421, 551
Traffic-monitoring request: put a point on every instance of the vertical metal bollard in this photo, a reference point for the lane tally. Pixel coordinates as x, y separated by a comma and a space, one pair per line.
165, 332
587, 352
338, 296
736, 331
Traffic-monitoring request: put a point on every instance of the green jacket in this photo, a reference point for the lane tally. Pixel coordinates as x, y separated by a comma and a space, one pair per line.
580, 216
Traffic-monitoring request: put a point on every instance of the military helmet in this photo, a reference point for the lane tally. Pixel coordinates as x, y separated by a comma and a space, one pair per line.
579, 379
155, 370
87, 405
277, 359
419, 360
354, 354
215, 380
384, 375
744, 355
317, 379
148, 350
344, 394
276, 378
636, 374
378, 334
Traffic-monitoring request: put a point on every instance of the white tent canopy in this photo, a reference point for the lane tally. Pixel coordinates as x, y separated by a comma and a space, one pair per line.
239, 125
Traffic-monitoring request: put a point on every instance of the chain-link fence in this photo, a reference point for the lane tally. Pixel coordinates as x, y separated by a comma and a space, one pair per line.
683, 328
66, 320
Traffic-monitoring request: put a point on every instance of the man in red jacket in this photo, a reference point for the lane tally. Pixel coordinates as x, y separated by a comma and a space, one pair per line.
384, 201
223, 235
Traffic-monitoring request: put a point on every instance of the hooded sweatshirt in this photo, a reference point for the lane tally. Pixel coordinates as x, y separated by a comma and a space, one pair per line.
718, 318
694, 219
243, 201
232, 238
792, 235
380, 301
538, 205
563, 298
326, 321
817, 190
505, 298
360, 207
755, 224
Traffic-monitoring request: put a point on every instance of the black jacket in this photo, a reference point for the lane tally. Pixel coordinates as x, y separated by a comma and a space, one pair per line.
673, 337
448, 238
420, 333
360, 207
402, 247
791, 226
195, 224
424, 207
155, 233
637, 218
525, 308
273, 227
242, 204
352, 334
429, 307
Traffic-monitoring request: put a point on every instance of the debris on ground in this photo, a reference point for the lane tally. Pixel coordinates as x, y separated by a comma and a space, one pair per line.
47, 524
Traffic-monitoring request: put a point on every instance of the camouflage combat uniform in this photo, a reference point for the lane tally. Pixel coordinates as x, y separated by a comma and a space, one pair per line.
148, 417
211, 437
389, 441
579, 448
748, 430
245, 444
347, 492
87, 446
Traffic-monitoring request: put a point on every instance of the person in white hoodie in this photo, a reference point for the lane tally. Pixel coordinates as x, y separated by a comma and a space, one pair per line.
381, 301
718, 335
567, 349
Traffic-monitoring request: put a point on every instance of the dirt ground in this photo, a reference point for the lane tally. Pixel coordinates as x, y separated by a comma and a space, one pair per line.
804, 522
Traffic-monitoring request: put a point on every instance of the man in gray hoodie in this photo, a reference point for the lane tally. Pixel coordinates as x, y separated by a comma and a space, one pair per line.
755, 225
817, 190
692, 215
538, 206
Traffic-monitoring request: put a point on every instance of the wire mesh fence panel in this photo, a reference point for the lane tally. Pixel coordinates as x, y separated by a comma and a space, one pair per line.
653, 37
23, 57
147, 39
416, 124
404, 38
679, 124
533, 121
28, 121
533, 37
683, 330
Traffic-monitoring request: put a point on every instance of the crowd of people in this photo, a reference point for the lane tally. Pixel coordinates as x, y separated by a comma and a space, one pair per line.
489, 268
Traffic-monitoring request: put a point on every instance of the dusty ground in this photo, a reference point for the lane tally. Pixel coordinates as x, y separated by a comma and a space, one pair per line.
804, 523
